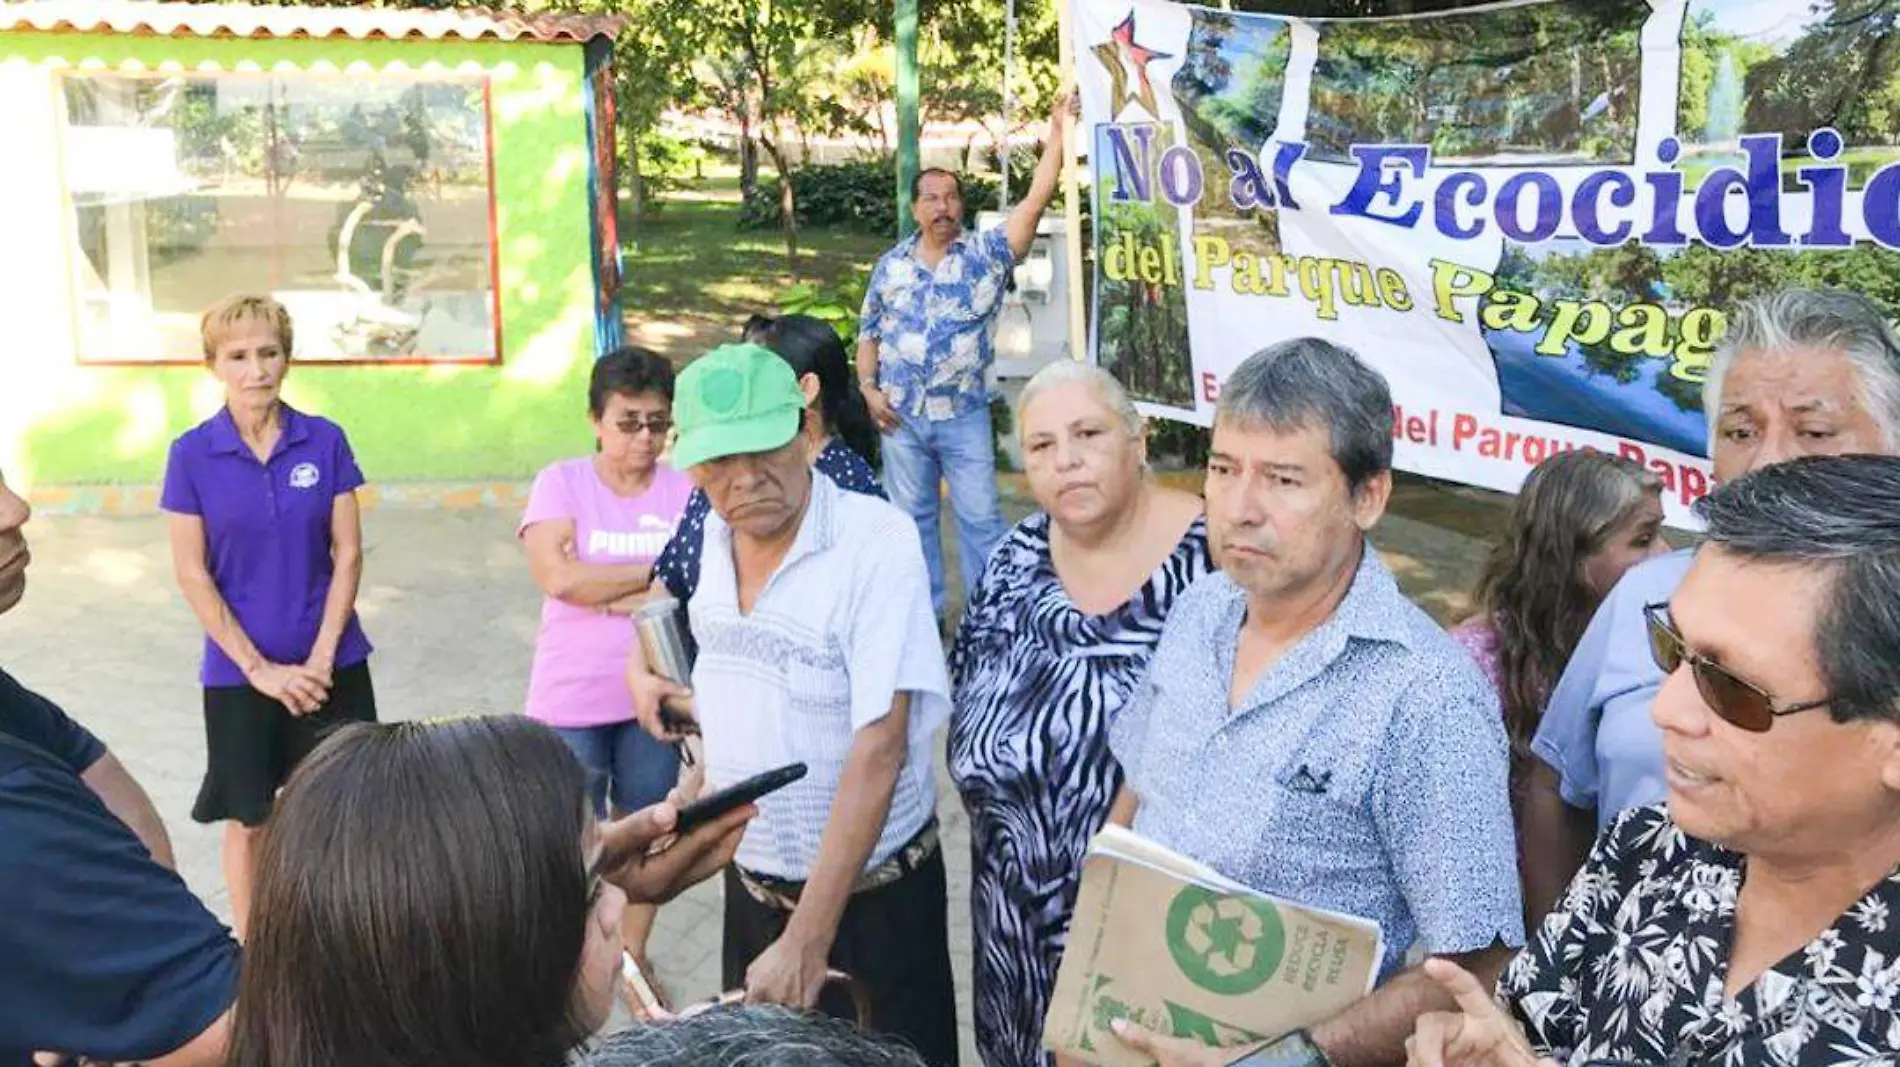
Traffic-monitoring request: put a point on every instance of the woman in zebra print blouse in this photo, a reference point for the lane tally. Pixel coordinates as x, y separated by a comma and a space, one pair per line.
1055, 636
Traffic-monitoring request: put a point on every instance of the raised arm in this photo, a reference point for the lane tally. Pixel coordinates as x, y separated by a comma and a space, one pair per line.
1021, 224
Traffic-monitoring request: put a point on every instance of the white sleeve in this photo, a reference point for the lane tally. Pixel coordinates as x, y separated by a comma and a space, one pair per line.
891, 638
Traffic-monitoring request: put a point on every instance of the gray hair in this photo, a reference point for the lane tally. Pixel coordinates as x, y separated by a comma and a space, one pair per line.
1107, 388
1839, 518
750, 1036
1315, 383
1815, 318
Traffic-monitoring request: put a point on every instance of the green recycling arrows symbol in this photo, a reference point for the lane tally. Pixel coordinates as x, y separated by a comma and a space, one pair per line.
1225, 944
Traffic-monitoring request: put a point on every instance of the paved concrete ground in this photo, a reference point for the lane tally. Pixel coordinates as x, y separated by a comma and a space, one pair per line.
447, 600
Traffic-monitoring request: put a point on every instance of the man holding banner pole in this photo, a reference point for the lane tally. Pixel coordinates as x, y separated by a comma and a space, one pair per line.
925, 344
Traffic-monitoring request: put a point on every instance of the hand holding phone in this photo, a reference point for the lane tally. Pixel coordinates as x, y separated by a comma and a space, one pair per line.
713, 805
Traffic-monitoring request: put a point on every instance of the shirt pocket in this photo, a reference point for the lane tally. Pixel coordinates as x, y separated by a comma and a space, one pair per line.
817, 706
1322, 804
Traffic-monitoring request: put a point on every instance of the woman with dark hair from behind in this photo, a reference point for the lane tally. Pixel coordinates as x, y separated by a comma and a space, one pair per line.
440, 893
1581, 519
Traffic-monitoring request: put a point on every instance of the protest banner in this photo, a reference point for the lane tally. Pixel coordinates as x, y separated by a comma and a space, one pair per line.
1530, 217
1164, 942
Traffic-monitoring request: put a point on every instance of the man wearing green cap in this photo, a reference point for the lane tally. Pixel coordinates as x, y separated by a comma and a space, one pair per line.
817, 645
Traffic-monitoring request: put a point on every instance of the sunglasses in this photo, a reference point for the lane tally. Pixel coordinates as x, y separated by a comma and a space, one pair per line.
1741, 704
657, 425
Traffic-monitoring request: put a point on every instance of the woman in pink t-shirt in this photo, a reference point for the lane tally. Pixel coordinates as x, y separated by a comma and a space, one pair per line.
593, 527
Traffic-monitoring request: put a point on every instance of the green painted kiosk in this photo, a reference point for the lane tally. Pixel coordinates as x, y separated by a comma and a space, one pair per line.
429, 193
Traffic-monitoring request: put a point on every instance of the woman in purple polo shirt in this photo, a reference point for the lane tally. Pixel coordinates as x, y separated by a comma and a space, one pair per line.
268, 546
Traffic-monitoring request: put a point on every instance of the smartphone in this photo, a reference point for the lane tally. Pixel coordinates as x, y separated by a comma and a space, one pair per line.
713, 805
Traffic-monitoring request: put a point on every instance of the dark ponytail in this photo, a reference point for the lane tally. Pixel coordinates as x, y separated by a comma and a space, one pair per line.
811, 346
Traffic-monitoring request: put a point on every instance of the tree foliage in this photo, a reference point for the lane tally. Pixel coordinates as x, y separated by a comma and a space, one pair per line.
1545, 80
1843, 72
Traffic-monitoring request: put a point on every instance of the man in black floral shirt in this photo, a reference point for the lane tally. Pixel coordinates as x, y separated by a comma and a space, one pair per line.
1751, 921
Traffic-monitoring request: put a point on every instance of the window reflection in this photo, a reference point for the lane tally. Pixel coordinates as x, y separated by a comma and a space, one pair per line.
361, 203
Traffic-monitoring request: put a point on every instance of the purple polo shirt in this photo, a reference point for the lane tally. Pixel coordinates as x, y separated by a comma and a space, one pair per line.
267, 532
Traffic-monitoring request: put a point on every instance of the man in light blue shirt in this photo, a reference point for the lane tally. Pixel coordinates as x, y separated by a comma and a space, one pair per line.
1596, 731
1306, 730
1802, 372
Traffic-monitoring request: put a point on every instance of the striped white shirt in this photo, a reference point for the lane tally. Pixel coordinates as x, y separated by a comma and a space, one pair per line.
842, 627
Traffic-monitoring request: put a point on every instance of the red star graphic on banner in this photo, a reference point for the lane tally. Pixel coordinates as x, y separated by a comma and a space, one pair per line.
1120, 55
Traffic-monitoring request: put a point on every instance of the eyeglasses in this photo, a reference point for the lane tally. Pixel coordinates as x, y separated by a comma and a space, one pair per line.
657, 425
1740, 704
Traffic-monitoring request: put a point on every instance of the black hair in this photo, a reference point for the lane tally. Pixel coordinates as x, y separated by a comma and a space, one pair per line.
811, 346
1837, 517
1310, 381
754, 1035
422, 898
628, 371
917, 183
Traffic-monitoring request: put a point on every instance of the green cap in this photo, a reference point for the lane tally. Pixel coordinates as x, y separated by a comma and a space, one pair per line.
734, 400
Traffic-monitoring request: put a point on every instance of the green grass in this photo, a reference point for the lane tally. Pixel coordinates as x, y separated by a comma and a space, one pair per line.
693, 272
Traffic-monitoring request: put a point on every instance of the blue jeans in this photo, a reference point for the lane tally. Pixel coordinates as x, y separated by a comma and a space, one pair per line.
636, 766
919, 456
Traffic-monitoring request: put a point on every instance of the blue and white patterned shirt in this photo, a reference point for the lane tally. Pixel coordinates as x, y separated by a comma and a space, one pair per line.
935, 329
1365, 772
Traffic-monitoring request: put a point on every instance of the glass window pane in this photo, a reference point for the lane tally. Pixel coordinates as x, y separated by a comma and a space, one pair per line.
362, 204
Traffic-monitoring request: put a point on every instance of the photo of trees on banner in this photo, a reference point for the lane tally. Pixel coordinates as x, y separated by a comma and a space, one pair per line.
1530, 218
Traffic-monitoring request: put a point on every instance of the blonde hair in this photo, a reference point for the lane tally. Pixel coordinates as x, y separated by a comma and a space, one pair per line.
234, 311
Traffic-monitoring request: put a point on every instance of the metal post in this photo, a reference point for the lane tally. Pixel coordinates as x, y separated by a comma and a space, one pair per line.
1009, 98
907, 118
1071, 206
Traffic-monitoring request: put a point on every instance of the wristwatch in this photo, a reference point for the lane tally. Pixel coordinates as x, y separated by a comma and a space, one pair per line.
1294, 1050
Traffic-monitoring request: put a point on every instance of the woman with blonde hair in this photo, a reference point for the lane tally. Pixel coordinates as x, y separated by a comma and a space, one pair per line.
267, 543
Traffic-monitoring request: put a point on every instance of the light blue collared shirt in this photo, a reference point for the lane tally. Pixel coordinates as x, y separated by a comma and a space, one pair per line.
1363, 773
1596, 732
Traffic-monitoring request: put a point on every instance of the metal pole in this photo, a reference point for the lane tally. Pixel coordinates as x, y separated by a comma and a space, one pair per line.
1009, 97
907, 117
1071, 207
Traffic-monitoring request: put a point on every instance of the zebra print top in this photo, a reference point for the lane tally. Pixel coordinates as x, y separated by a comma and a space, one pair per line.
1035, 683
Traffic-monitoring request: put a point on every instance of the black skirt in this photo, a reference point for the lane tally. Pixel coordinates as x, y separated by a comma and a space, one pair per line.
252, 743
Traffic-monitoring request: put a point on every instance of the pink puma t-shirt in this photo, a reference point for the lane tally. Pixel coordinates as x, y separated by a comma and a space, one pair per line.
579, 676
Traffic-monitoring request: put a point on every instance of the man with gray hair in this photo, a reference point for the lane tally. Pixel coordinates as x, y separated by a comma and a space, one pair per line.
752, 1035
1802, 372
1307, 731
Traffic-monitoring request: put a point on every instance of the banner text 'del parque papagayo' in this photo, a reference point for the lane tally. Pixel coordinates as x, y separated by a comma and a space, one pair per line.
1529, 217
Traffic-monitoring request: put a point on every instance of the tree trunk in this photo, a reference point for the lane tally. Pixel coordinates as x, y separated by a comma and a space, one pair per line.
748, 165
787, 205
636, 187
636, 182
749, 132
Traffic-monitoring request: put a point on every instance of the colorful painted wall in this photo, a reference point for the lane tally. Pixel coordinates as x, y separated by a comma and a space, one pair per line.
65, 424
